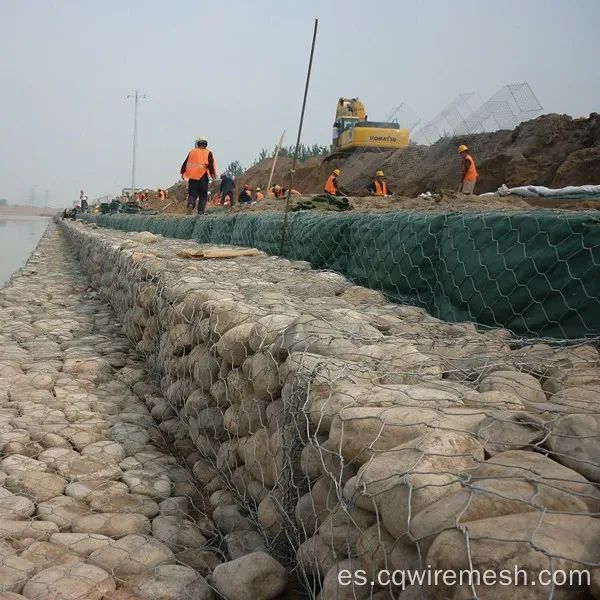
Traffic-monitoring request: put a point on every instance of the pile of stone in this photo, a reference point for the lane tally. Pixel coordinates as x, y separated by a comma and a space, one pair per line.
93, 503
336, 432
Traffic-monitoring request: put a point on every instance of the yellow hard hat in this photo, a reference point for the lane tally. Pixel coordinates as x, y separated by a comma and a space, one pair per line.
336, 171
379, 174
200, 140
277, 188
462, 148
258, 189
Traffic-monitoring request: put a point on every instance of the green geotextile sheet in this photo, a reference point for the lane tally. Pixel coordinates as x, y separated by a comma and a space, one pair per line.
536, 273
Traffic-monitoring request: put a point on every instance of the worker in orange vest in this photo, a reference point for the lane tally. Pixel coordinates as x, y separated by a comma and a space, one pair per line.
258, 195
378, 186
277, 191
161, 194
198, 167
468, 175
331, 187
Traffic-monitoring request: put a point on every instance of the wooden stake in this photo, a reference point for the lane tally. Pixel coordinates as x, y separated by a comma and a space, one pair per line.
274, 163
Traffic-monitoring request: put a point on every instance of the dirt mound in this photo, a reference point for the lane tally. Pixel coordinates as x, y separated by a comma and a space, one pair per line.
310, 175
445, 201
552, 150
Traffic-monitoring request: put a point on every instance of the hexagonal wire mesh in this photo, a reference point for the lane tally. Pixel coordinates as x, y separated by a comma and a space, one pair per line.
335, 432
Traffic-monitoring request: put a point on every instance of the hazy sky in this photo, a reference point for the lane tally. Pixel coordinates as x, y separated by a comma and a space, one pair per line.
234, 71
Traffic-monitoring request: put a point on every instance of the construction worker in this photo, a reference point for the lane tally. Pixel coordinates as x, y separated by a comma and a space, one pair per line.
227, 188
258, 195
161, 194
378, 186
277, 191
331, 187
197, 168
83, 199
468, 175
245, 196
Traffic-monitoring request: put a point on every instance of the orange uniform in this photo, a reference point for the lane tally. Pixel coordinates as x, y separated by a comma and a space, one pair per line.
331, 185
381, 188
469, 170
200, 161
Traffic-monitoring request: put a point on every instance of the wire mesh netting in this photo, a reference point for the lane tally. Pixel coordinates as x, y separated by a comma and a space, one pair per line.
508, 107
341, 446
533, 273
446, 122
468, 114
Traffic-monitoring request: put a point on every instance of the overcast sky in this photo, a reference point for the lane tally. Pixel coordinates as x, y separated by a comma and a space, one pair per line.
234, 71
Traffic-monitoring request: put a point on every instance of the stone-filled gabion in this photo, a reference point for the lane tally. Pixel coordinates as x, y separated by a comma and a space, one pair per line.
333, 431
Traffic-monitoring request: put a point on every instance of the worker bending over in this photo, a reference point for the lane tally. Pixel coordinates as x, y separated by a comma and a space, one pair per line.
245, 196
468, 175
331, 187
378, 186
227, 188
277, 191
258, 195
197, 168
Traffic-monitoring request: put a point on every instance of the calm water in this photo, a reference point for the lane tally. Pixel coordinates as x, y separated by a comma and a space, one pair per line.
18, 237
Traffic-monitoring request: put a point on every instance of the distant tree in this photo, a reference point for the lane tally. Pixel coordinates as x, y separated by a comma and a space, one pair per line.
234, 169
284, 152
3, 202
304, 153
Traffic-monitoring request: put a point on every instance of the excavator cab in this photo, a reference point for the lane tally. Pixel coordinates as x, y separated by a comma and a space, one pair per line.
352, 130
341, 125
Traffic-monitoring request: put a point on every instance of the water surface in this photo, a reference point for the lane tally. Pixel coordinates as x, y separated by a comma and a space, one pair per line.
19, 235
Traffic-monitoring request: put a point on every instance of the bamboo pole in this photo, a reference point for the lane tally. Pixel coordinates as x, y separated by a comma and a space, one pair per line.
274, 163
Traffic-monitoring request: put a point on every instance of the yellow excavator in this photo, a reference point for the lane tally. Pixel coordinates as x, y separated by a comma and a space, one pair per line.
353, 130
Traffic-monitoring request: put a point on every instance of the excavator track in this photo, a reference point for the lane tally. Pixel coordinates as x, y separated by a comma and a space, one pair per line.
336, 155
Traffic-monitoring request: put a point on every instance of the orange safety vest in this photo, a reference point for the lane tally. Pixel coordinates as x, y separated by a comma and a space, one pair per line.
278, 194
162, 195
259, 195
471, 174
197, 163
331, 185
381, 188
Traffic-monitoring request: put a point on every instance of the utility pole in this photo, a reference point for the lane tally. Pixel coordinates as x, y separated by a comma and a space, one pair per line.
33, 194
136, 97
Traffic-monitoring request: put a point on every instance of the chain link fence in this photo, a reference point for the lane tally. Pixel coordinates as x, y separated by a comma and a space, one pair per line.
363, 443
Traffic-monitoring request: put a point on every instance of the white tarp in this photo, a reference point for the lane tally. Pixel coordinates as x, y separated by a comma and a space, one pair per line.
539, 191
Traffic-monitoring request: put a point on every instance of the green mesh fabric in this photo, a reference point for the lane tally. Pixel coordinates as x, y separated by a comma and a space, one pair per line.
535, 273
529, 272
202, 230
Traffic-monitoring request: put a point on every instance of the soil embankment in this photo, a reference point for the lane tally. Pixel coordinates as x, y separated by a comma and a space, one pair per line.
552, 150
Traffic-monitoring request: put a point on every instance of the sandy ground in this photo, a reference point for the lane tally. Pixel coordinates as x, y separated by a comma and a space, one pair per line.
442, 202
